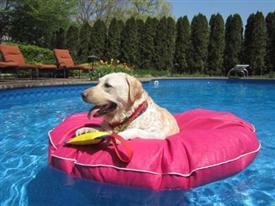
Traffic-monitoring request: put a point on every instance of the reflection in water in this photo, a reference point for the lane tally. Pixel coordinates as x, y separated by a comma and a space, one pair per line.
53, 187
26, 115
156, 84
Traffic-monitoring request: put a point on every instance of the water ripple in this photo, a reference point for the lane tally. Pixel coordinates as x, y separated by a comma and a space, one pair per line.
27, 115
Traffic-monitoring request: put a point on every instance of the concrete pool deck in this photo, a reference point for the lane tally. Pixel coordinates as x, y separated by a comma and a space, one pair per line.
27, 83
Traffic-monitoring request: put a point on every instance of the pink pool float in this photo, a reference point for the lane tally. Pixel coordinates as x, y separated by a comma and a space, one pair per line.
210, 146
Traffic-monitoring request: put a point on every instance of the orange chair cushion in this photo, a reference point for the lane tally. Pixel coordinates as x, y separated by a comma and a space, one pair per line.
11, 53
27, 66
63, 58
85, 67
8, 65
46, 66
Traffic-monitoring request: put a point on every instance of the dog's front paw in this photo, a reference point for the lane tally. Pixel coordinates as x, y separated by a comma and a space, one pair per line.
84, 130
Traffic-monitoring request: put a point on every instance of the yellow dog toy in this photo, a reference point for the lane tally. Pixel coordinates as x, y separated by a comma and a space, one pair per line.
89, 138
99, 136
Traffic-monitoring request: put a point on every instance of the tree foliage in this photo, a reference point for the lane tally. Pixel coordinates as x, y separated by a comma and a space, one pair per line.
150, 39
146, 8
129, 43
255, 42
89, 10
160, 45
84, 41
233, 41
6, 7
199, 41
182, 48
148, 43
165, 43
60, 39
270, 26
114, 39
98, 39
216, 45
140, 36
72, 40
35, 21
170, 42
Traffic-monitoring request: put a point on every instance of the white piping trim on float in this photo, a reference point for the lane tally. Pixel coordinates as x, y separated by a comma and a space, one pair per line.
50, 138
171, 173
65, 158
254, 128
157, 173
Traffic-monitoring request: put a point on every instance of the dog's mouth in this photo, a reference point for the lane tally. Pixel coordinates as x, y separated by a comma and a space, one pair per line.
100, 110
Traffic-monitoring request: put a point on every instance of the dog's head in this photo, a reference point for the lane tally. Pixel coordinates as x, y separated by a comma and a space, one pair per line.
114, 92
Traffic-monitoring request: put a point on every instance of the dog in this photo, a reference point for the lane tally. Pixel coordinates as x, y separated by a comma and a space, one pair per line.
123, 103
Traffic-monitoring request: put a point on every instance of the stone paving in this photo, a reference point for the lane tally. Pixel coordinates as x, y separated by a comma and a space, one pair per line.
25, 83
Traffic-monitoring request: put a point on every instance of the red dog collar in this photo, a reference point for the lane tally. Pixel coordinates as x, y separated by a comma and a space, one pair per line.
120, 126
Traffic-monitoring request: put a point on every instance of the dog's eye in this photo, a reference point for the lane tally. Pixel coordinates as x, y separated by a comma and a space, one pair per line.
107, 85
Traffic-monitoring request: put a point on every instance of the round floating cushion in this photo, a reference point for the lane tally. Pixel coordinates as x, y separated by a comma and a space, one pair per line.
210, 146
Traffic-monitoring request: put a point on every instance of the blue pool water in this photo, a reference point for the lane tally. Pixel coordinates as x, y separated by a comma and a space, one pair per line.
26, 115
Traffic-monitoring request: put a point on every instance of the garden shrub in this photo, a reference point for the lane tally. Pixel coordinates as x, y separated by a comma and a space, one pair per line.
104, 68
36, 55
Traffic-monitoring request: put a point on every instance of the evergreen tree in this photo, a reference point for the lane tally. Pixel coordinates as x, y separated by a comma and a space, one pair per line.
199, 41
170, 42
98, 39
233, 41
60, 39
120, 25
5, 17
270, 26
114, 39
182, 45
148, 45
216, 45
129, 44
72, 40
52, 40
255, 42
165, 43
160, 45
248, 39
140, 36
84, 42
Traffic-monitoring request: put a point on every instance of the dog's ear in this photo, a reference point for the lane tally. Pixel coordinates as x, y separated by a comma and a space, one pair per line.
135, 88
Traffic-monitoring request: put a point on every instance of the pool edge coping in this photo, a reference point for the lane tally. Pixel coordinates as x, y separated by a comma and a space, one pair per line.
20, 84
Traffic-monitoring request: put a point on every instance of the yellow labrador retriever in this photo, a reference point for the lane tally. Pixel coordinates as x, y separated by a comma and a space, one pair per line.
117, 97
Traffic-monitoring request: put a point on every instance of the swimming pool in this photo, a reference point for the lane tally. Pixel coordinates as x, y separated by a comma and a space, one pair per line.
26, 115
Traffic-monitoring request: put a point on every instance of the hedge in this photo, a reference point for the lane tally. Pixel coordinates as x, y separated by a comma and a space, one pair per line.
36, 55
102, 70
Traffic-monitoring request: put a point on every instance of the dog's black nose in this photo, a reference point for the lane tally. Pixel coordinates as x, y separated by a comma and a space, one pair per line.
84, 95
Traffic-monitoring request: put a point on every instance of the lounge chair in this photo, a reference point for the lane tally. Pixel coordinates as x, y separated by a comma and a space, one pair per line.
65, 62
13, 58
9, 67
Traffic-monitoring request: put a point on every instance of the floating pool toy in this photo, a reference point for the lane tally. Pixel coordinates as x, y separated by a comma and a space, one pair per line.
94, 137
210, 146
